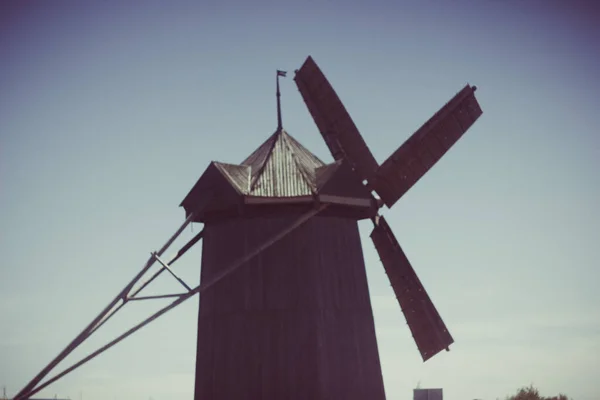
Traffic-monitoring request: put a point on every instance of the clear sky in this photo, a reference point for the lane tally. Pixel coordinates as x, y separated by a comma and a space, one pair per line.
110, 111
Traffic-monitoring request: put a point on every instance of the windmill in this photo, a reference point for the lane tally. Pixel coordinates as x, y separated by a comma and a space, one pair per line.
285, 310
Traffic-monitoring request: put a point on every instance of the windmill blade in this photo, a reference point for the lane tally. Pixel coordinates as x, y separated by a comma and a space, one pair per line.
333, 121
426, 146
427, 328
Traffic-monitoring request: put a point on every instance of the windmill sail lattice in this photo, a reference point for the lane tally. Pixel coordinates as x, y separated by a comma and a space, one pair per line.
426, 326
426, 146
333, 121
391, 181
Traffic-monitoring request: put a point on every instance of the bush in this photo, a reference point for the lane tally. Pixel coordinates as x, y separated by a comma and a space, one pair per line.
531, 393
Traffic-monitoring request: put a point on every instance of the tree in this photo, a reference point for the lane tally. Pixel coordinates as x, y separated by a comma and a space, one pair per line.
531, 393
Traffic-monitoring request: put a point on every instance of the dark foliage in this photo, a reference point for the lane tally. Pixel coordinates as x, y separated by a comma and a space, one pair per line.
531, 393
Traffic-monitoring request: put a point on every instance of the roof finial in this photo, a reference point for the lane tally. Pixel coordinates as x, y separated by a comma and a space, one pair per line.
279, 125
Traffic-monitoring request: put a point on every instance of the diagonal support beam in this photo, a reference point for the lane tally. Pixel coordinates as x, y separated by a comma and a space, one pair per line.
206, 285
110, 344
135, 292
99, 318
25, 395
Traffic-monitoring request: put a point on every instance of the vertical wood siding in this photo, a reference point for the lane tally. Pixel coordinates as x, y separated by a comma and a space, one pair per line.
293, 323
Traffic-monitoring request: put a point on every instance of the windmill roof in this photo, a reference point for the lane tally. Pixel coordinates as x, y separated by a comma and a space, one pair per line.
279, 171
280, 167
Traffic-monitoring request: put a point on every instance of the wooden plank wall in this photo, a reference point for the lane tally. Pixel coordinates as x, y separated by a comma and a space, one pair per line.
293, 323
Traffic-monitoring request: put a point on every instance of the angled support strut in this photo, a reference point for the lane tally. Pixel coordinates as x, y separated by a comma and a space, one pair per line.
100, 319
34, 387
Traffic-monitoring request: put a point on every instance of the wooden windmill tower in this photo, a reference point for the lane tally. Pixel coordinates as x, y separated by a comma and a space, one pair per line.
285, 311
295, 321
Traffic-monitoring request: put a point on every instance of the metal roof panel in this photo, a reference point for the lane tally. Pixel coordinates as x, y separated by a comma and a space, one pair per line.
282, 167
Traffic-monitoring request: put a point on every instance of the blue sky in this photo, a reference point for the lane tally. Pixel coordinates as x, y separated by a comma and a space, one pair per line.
110, 111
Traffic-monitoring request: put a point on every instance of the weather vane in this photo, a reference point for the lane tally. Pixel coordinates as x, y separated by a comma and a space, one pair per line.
283, 74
